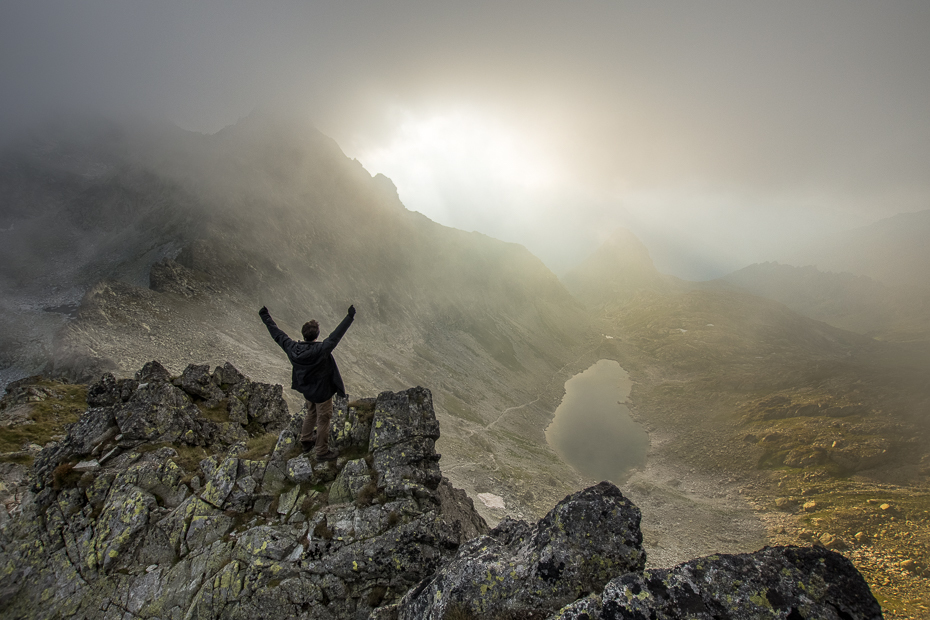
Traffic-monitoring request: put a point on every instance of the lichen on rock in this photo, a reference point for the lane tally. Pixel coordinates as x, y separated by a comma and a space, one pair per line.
154, 506
175, 522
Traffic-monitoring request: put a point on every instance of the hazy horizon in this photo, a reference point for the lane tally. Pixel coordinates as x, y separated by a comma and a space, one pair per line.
721, 134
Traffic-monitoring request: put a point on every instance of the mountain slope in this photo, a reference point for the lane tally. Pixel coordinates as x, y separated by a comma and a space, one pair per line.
619, 268
856, 303
893, 251
189, 235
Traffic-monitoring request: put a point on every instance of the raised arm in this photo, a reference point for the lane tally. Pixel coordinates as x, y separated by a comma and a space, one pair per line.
333, 339
276, 333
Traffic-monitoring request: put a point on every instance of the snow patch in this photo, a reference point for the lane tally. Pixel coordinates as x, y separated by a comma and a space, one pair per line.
491, 501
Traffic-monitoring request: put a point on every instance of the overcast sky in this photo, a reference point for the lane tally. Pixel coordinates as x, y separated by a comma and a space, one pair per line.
720, 133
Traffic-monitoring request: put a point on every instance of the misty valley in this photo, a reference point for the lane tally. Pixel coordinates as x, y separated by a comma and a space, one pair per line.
783, 404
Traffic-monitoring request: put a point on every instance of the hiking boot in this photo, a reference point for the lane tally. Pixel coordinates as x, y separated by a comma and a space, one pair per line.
308, 446
329, 455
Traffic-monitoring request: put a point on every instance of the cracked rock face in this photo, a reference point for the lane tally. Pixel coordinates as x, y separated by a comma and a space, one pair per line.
179, 522
186, 497
776, 582
588, 538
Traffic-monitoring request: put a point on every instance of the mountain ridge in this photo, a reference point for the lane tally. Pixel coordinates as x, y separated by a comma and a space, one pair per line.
204, 230
892, 250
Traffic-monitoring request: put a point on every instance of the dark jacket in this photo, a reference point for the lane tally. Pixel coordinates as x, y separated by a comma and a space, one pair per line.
315, 374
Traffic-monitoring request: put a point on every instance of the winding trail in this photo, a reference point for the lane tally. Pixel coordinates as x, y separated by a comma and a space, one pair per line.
508, 410
538, 398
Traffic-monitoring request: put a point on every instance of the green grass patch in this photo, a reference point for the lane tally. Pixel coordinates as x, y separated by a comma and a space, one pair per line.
218, 413
18, 458
189, 457
48, 417
259, 447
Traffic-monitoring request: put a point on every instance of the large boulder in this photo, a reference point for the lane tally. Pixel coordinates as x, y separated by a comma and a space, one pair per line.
403, 438
530, 571
776, 582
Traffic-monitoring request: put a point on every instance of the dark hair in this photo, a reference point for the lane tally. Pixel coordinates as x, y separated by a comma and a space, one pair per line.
310, 330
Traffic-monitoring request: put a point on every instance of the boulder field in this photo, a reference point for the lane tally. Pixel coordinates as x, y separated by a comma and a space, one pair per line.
187, 497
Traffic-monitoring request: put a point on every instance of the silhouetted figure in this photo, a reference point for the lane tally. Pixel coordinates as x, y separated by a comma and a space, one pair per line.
315, 375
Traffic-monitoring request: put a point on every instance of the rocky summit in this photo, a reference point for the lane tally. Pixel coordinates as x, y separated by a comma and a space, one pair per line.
123, 519
182, 497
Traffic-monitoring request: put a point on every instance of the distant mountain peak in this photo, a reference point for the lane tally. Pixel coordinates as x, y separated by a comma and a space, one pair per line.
893, 251
617, 269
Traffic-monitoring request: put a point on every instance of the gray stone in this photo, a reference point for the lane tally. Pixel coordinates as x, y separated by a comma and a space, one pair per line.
403, 438
300, 470
153, 372
91, 465
220, 483
287, 441
267, 542
196, 380
227, 375
352, 478
160, 413
586, 540
287, 500
776, 582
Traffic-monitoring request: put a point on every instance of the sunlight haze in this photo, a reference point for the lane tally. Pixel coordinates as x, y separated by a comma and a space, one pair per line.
721, 133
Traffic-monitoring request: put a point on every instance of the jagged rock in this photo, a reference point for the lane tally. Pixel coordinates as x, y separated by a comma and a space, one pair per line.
459, 509
287, 441
153, 371
352, 478
351, 426
221, 483
587, 539
140, 536
159, 412
196, 380
300, 469
776, 582
404, 431
227, 376
109, 391
83, 466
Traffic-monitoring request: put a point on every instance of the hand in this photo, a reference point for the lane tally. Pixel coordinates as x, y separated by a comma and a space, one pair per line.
352, 311
263, 311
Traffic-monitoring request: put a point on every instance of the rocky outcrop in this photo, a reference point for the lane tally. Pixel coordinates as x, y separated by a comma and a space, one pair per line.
529, 571
584, 561
187, 497
776, 582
